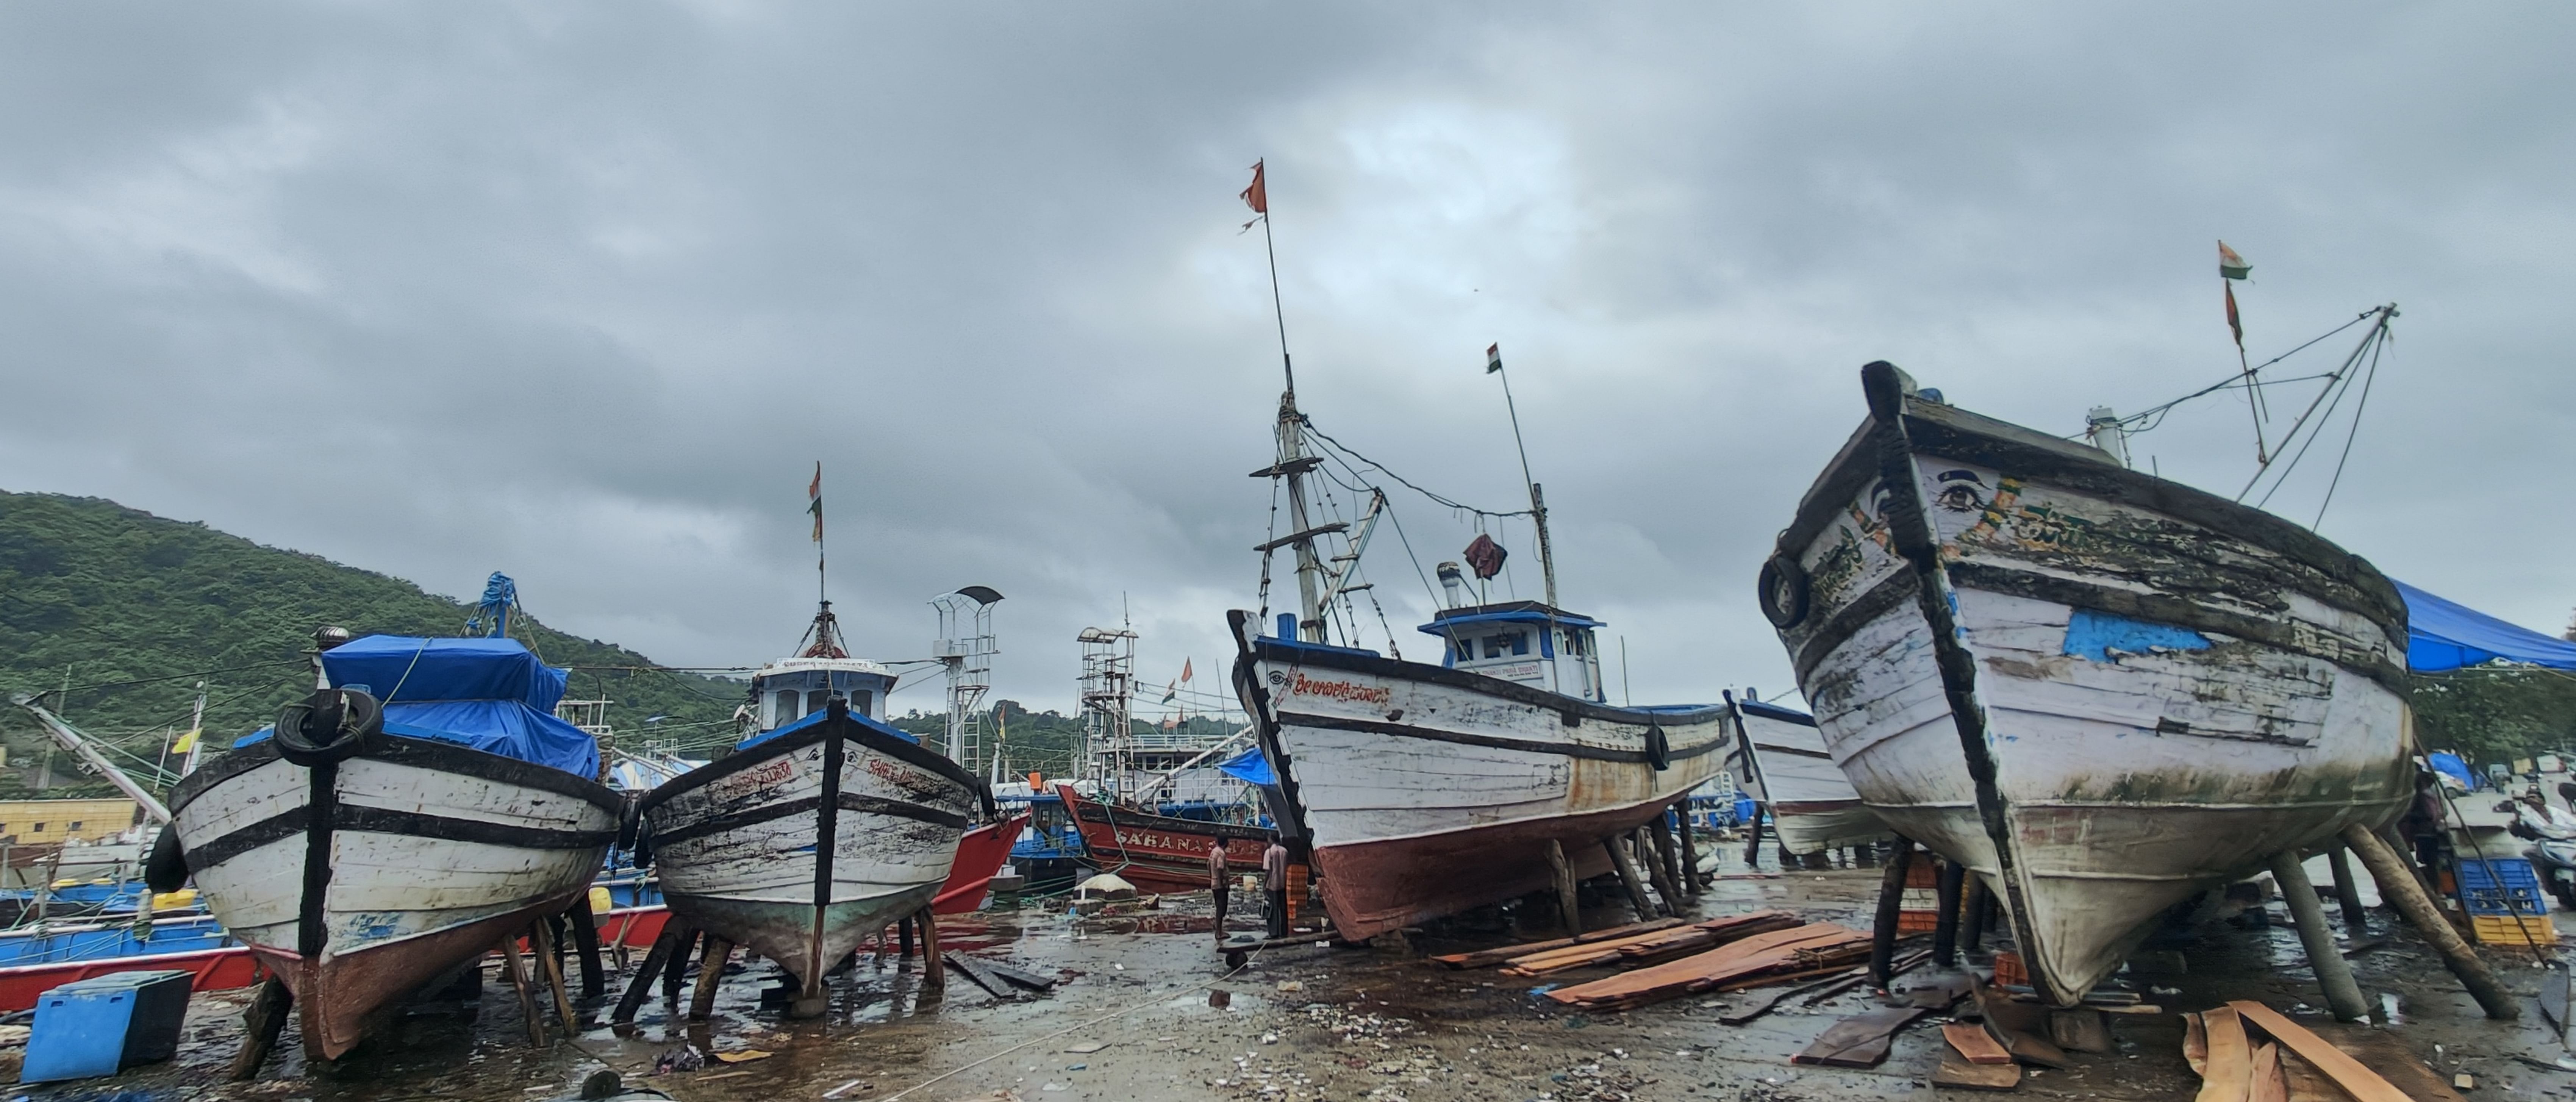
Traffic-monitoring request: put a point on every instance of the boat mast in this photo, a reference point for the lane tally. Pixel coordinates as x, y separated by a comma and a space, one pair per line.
1293, 461
1538, 501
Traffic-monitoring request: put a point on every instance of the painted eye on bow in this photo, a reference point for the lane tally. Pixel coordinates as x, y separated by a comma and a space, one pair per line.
1961, 498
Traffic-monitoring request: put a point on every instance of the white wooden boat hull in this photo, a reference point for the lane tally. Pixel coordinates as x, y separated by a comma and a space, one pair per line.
735, 841
430, 855
2103, 692
1779, 759
1425, 791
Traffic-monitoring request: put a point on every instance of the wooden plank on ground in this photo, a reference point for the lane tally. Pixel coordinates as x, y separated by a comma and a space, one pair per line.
975, 972
2265, 1084
1973, 1044
2079, 1030
2231, 1061
1936, 993
1018, 977
2363, 1084
1487, 958
1770, 953
1859, 1041
2195, 1044
1960, 1074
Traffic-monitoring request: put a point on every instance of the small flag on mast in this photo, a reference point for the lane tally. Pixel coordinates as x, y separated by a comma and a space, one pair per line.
2230, 265
1185, 669
1170, 691
2235, 327
1257, 196
1493, 357
815, 492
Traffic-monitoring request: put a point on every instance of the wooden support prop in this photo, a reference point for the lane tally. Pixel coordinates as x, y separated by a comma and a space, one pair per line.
585, 943
2356, 918
711, 966
934, 975
1658, 872
1972, 908
2357, 1080
2334, 973
676, 971
1567, 902
903, 930
1629, 879
1668, 861
655, 961
1690, 858
550, 966
262, 1022
1753, 840
2399, 886
1891, 901
1945, 926
520, 983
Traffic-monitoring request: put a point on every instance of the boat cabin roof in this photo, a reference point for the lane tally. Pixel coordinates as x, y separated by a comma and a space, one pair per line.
1450, 620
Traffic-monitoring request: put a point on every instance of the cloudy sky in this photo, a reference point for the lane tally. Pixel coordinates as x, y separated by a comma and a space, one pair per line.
582, 292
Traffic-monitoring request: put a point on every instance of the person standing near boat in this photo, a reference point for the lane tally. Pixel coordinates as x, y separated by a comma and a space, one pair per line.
1217, 875
1274, 886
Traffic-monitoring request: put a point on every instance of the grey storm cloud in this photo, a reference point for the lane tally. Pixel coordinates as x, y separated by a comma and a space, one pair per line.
582, 292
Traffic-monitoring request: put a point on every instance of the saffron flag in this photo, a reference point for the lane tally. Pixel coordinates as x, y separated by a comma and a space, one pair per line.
1185, 669
1170, 691
2234, 326
815, 492
1257, 197
1493, 357
2230, 265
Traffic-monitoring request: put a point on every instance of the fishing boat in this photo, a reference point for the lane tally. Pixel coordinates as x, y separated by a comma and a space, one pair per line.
2101, 691
1778, 757
1419, 790
1158, 852
820, 828
364, 850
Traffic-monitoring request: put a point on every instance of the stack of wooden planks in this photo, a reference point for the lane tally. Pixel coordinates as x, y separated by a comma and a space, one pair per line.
1651, 946
1487, 958
2248, 1052
1771, 957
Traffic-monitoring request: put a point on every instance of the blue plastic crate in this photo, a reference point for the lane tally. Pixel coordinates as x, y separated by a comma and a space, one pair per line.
2500, 886
105, 1024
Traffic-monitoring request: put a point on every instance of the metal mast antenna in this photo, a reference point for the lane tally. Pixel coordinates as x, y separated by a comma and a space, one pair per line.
966, 646
1538, 502
1108, 705
1293, 462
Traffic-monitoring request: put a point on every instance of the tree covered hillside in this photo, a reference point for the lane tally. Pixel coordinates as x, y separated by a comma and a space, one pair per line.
132, 610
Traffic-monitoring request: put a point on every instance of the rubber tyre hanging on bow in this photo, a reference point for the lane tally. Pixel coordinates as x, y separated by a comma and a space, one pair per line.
331, 725
167, 869
1782, 592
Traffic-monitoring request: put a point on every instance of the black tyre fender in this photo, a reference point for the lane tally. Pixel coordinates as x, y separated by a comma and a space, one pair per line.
1782, 592
330, 726
167, 869
1659, 750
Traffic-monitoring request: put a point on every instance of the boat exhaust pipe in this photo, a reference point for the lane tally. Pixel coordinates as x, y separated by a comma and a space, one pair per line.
1453, 582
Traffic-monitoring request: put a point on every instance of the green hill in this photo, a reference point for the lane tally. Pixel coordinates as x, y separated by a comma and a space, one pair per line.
131, 610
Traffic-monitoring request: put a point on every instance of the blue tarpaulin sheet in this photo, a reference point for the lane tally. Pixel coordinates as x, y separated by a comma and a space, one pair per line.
812, 718
2451, 766
488, 694
1250, 768
2443, 635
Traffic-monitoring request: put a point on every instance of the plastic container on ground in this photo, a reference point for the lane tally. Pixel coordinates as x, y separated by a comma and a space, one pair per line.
103, 1025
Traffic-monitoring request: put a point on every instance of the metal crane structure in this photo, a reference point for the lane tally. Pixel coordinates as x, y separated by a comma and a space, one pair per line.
70, 739
1108, 707
966, 646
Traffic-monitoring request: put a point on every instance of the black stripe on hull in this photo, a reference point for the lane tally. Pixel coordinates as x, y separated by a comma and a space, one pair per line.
851, 731
849, 801
1373, 665
1561, 749
441, 757
376, 820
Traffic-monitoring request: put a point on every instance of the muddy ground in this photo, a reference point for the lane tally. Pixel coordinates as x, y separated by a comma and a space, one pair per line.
1133, 1024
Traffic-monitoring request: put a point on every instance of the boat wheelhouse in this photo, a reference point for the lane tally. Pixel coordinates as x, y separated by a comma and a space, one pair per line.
1526, 643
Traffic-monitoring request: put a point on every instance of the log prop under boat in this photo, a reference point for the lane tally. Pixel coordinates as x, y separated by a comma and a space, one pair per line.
809, 838
361, 865
1778, 757
1423, 791
2101, 691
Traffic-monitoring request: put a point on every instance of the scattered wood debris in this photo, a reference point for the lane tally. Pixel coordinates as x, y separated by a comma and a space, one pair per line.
1860, 1041
1487, 958
1777, 956
1651, 946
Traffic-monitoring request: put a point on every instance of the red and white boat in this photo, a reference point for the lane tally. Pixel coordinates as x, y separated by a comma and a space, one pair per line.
1159, 853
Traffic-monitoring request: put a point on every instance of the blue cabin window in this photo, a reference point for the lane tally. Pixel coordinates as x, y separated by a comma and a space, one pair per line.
784, 711
1574, 644
814, 700
1463, 649
1516, 642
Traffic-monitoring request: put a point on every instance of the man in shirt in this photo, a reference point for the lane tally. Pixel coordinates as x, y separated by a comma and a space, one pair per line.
1274, 885
1217, 877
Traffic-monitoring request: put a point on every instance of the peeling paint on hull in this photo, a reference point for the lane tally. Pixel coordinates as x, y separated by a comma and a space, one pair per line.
1959, 576
1784, 765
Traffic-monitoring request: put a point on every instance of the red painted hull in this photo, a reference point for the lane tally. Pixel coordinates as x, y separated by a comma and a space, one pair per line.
632, 927
340, 998
1373, 887
979, 855
212, 969
1158, 853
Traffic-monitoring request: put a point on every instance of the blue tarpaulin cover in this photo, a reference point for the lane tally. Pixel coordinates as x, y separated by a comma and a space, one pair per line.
490, 694
2442, 635
812, 718
2451, 766
1250, 768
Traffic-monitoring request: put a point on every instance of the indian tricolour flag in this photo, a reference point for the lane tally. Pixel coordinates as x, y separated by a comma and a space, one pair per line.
1494, 354
2230, 265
